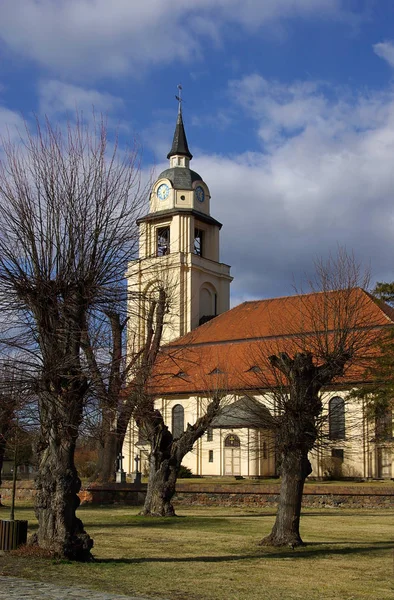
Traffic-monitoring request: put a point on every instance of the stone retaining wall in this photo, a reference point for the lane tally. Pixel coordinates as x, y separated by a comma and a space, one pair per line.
24, 491
114, 493
319, 496
359, 495
111, 493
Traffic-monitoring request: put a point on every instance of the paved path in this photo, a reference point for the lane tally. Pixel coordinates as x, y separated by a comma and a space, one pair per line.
14, 588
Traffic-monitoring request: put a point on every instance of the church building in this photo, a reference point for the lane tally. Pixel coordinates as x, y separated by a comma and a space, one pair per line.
207, 347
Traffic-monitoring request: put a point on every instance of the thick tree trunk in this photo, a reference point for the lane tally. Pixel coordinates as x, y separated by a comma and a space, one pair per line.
57, 481
295, 468
296, 435
57, 484
161, 488
167, 454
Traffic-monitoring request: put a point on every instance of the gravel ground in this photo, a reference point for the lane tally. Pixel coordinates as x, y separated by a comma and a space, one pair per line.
14, 588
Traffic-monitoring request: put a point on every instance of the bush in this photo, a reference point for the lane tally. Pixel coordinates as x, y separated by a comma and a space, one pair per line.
86, 461
332, 468
185, 472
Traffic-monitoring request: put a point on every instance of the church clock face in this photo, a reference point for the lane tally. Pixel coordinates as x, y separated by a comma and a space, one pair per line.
200, 193
162, 191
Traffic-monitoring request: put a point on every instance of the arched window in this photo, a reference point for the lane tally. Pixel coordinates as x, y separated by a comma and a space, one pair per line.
232, 441
198, 241
336, 418
163, 241
178, 421
208, 303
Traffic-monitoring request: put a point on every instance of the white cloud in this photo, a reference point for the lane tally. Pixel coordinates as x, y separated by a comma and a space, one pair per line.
12, 125
327, 179
92, 38
57, 97
386, 51
280, 109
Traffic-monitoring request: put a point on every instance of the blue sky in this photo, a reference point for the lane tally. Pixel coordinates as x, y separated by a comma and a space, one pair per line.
288, 108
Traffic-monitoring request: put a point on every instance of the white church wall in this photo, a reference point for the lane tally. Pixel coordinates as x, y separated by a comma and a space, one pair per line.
255, 455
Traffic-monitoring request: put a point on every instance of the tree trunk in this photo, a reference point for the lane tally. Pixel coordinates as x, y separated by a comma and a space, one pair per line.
107, 447
295, 468
57, 484
57, 481
106, 461
161, 488
167, 454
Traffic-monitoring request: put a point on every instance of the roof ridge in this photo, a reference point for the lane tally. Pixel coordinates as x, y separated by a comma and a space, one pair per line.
263, 338
297, 295
384, 306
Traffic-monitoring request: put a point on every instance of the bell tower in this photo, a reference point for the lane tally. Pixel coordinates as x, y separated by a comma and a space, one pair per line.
179, 248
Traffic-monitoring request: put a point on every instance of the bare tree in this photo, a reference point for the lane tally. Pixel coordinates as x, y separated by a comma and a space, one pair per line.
68, 204
330, 334
110, 374
167, 449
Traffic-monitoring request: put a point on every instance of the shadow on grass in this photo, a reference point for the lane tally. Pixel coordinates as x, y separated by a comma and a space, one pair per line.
160, 522
206, 522
326, 512
310, 551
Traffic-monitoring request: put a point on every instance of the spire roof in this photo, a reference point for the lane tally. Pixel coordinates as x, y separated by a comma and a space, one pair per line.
179, 143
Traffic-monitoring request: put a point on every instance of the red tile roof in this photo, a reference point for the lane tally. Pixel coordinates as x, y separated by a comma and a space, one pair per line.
231, 351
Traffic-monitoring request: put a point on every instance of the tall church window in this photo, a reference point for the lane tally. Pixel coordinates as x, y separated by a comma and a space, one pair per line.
384, 426
178, 421
198, 241
265, 452
163, 241
336, 418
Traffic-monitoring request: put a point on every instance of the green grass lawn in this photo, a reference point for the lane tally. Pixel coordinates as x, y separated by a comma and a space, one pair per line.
212, 554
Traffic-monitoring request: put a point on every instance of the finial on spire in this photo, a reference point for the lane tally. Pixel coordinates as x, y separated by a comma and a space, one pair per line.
179, 143
179, 98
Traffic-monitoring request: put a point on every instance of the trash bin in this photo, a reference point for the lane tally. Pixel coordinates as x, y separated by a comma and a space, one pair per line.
12, 534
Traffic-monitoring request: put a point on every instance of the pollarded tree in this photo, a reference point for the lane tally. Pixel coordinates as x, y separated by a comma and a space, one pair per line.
168, 448
167, 451
332, 334
68, 204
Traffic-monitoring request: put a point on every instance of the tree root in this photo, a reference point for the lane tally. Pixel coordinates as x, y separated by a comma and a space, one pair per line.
290, 541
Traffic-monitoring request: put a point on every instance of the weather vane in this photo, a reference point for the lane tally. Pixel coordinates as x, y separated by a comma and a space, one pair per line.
179, 97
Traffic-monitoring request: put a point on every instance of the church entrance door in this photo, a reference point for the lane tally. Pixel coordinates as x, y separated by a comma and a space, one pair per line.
383, 463
232, 455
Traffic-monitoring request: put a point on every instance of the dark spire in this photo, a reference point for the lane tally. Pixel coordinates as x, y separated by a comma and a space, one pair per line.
179, 143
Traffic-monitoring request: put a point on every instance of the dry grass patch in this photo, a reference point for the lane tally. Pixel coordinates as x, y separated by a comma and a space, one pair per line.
212, 554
